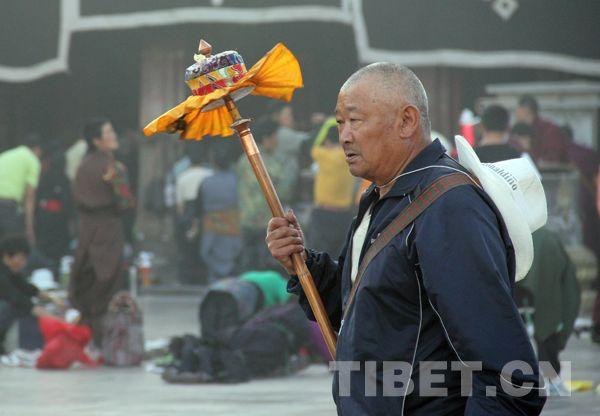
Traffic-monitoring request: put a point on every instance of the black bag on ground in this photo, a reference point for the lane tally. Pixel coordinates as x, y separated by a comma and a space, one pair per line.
198, 362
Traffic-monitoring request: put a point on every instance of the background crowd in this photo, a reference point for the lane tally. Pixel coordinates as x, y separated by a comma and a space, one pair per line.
72, 211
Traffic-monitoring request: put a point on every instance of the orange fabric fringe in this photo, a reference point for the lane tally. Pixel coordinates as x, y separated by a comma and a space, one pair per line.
275, 75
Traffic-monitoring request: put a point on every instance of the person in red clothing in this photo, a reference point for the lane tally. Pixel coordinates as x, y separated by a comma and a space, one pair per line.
549, 144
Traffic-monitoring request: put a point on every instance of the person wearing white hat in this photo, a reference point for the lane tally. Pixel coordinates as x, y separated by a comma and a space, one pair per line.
425, 278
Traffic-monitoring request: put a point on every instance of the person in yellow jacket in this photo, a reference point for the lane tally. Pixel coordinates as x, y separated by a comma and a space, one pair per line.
333, 191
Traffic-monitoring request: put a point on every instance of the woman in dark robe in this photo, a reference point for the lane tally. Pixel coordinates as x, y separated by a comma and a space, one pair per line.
102, 196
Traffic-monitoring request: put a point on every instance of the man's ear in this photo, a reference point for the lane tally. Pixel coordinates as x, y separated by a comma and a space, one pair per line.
410, 119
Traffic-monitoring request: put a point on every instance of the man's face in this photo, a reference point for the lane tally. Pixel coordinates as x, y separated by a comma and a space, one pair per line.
366, 132
524, 114
108, 139
16, 262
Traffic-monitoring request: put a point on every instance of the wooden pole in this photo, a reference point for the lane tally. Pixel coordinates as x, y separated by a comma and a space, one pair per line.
242, 127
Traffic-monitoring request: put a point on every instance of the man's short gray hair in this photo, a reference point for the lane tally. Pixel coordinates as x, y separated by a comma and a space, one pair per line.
400, 81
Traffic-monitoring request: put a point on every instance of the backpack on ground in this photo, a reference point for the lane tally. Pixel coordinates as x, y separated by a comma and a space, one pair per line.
123, 333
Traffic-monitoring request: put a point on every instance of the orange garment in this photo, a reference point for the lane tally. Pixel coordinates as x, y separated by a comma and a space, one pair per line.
276, 75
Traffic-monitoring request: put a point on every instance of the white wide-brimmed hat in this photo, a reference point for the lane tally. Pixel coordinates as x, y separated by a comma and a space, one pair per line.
516, 189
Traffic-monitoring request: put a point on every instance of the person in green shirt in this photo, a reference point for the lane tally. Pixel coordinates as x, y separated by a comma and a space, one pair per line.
254, 211
19, 176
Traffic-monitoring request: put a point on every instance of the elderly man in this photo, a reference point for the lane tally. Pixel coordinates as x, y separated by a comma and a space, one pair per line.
432, 328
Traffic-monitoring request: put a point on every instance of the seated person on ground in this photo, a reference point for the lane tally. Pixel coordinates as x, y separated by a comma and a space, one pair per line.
15, 292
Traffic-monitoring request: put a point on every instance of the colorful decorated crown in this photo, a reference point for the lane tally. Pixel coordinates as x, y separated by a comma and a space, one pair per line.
215, 78
212, 72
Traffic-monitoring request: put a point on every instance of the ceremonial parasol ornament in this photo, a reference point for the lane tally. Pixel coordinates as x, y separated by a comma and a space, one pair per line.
217, 81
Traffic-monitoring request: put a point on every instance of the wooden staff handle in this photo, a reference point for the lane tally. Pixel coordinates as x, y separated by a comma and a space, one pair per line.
242, 127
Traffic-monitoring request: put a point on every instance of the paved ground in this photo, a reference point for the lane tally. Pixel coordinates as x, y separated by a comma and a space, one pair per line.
109, 392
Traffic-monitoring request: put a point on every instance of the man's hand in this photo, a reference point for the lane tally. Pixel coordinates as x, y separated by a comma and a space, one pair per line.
284, 238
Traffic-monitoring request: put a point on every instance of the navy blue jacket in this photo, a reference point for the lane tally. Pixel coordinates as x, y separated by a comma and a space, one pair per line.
441, 290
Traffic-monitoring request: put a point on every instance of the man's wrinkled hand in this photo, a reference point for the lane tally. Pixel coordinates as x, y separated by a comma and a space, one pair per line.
284, 238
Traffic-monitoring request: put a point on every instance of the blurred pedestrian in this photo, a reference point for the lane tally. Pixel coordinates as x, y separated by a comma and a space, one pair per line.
288, 146
493, 145
549, 144
254, 211
596, 312
556, 299
15, 292
189, 266
333, 191
53, 207
289, 137
19, 178
217, 211
587, 162
101, 195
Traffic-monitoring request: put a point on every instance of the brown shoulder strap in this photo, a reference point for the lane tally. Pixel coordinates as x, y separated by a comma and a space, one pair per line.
439, 187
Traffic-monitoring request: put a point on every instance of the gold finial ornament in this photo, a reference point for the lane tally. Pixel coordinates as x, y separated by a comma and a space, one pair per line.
204, 48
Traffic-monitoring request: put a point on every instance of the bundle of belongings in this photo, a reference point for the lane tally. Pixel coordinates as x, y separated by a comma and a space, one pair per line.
122, 338
59, 341
64, 344
123, 332
51, 342
248, 330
